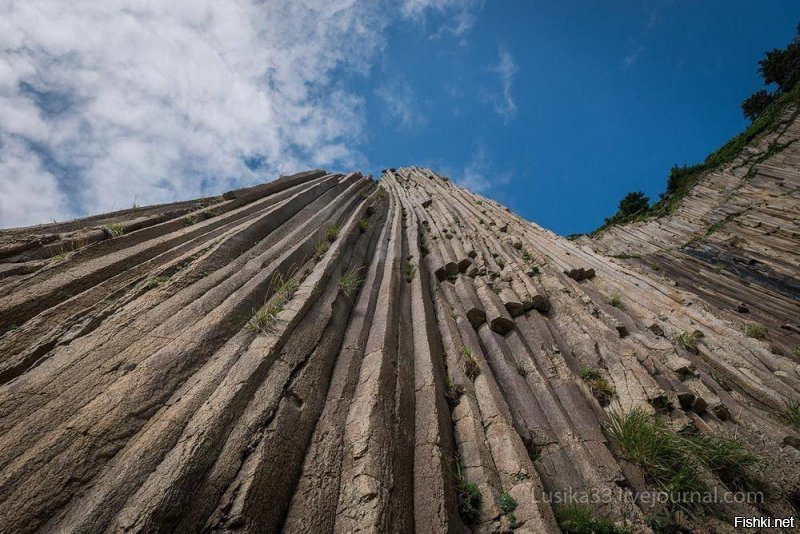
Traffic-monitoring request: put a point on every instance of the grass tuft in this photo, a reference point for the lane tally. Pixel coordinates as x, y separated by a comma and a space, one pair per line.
115, 229
350, 282
263, 320
791, 412
508, 504
601, 388
321, 249
688, 340
616, 301
755, 330
190, 219
409, 271
676, 463
332, 232
471, 367
453, 392
363, 224
468, 498
156, 281
575, 519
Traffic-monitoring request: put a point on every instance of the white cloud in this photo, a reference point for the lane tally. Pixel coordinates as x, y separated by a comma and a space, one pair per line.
460, 15
633, 57
506, 69
400, 104
480, 174
102, 103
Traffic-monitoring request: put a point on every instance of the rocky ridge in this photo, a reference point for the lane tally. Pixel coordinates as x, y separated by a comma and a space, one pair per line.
324, 353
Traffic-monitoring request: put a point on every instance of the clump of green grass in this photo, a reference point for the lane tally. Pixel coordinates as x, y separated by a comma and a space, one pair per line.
576, 519
190, 219
468, 498
381, 192
500, 261
526, 255
409, 271
263, 320
727, 459
601, 388
508, 504
363, 224
115, 229
616, 301
471, 367
156, 281
667, 458
321, 248
534, 271
589, 374
350, 282
60, 256
796, 351
688, 340
676, 463
453, 392
755, 330
791, 412
332, 232
424, 250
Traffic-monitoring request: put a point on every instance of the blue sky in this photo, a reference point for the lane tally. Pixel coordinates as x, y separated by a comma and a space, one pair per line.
556, 109
608, 96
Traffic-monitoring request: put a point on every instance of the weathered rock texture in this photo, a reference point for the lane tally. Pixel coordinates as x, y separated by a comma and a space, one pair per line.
412, 337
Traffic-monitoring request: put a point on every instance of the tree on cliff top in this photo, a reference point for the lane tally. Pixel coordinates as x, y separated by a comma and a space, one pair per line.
780, 67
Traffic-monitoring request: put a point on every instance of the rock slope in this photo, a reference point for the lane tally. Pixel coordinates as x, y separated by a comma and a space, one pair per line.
324, 353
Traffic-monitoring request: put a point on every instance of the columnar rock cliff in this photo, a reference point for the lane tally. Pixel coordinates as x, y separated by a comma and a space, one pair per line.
324, 353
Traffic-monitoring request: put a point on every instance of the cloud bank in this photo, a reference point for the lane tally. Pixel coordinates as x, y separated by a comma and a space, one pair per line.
104, 103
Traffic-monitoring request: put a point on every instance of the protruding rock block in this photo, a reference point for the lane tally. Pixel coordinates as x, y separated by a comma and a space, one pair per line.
470, 302
580, 273
496, 315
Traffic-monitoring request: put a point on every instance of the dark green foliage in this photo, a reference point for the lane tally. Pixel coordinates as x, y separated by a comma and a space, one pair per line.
633, 204
156, 281
688, 340
575, 519
791, 413
507, 503
678, 463
453, 392
755, 330
469, 502
756, 103
781, 67
616, 301
601, 388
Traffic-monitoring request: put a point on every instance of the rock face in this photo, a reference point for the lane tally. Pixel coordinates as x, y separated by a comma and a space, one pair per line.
324, 353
